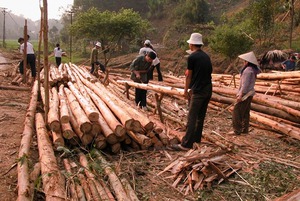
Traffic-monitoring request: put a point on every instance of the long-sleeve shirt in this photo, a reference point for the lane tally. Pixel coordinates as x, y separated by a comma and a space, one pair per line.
247, 80
140, 64
94, 55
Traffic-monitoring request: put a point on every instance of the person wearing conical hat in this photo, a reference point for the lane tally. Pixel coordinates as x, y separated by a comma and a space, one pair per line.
198, 90
241, 111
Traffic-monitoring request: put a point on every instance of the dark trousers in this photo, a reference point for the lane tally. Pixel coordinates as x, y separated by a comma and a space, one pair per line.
241, 116
140, 97
197, 111
150, 72
31, 62
102, 67
58, 61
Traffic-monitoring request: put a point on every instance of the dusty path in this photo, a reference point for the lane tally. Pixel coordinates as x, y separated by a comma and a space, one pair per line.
13, 105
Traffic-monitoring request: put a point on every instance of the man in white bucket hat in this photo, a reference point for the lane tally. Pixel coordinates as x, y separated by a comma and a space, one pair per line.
241, 111
94, 59
198, 90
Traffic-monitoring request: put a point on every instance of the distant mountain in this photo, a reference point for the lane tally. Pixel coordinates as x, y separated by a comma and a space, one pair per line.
14, 26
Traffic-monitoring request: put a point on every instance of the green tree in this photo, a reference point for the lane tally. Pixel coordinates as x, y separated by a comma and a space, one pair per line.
112, 29
193, 11
230, 41
262, 19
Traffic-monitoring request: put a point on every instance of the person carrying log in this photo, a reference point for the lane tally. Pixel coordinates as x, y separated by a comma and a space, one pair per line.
155, 63
139, 69
241, 110
30, 56
94, 59
198, 90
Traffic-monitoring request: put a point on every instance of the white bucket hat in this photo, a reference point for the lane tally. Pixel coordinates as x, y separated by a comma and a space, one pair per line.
147, 42
98, 44
195, 39
250, 57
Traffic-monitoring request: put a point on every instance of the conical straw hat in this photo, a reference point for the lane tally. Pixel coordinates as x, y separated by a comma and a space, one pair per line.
250, 57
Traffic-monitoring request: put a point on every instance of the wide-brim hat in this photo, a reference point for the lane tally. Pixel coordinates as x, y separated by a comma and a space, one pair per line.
250, 57
147, 42
98, 44
195, 39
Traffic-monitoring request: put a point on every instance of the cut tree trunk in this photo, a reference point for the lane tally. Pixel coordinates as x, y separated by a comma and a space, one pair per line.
109, 117
53, 114
53, 180
64, 112
89, 108
113, 178
79, 114
23, 169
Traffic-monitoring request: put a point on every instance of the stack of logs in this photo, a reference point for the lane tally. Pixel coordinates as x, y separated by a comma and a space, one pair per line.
83, 111
275, 106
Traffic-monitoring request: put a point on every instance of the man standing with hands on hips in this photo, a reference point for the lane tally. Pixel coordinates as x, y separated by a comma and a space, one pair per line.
198, 90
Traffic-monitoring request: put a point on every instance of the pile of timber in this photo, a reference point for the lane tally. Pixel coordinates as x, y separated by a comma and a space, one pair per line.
83, 111
275, 106
82, 179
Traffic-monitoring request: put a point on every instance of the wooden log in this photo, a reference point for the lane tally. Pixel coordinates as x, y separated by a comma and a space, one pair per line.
102, 192
90, 176
80, 116
115, 148
275, 125
107, 190
292, 196
124, 117
70, 182
142, 119
57, 139
63, 109
163, 138
109, 117
140, 139
16, 81
15, 88
34, 176
85, 186
156, 88
109, 134
84, 137
156, 142
53, 114
67, 130
89, 108
129, 190
53, 180
96, 128
23, 169
100, 142
70, 74
113, 178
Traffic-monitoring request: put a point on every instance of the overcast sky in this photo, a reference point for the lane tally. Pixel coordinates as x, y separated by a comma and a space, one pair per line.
30, 8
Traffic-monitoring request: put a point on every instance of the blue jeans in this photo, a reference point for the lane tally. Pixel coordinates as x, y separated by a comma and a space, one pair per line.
197, 111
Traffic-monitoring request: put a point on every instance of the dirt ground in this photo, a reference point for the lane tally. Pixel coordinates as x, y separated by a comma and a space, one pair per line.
265, 178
